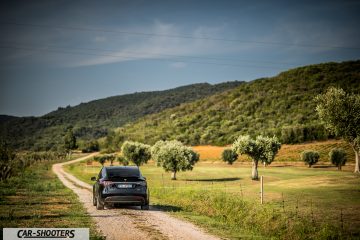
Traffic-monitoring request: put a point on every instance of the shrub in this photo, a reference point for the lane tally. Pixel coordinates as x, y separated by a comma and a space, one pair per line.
229, 156
105, 157
310, 157
122, 160
100, 159
338, 157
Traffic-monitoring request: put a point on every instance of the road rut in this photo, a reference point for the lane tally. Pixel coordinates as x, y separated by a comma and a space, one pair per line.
129, 222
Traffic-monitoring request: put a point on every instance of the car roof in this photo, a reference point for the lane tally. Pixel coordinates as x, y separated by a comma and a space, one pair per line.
122, 167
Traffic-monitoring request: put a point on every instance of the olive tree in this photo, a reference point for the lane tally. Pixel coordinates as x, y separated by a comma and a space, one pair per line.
105, 157
340, 113
122, 160
310, 157
173, 156
263, 149
229, 156
100, 159
337, 157
136, 152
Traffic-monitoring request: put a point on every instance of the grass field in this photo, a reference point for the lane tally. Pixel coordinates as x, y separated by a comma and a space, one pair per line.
300, 203
37, 198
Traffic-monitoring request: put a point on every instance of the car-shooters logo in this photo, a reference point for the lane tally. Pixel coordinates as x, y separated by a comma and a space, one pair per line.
46, 233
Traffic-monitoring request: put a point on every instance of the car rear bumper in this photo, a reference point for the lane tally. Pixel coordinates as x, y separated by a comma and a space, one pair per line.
140, 200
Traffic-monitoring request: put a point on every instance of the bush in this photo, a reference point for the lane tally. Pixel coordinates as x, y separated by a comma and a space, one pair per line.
100, 159
229, 156
310, 157
338, 157
122, 160
105, 157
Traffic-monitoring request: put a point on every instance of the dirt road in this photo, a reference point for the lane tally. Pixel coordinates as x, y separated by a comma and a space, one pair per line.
129, 222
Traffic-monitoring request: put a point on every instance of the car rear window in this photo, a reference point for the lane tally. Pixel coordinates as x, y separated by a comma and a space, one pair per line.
123, 173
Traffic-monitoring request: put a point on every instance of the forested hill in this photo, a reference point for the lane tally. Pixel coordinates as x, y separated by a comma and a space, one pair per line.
282, 105
95, 118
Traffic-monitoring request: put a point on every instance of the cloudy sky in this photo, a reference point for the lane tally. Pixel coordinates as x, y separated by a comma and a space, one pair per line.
59, 53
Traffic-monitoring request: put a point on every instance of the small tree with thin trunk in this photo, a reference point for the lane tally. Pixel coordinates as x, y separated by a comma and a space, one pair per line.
310, 157
229, 156
340, 113
263, 149
173, 156
69, 142
100, 159
110, 158
337, 157
136, 152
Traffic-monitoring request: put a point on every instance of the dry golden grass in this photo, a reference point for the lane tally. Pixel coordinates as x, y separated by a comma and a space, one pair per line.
287, 153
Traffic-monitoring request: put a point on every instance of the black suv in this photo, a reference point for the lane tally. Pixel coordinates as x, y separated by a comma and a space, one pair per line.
120, 185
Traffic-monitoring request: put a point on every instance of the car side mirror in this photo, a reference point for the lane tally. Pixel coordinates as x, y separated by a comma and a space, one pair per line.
93, 178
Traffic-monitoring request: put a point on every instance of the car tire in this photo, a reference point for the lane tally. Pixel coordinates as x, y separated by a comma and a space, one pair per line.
94, 200
99, 205
145, 207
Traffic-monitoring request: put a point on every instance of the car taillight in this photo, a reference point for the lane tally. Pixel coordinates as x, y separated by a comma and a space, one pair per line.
142, 184
106, 183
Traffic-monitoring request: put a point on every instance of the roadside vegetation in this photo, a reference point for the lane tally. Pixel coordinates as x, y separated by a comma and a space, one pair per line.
37, 198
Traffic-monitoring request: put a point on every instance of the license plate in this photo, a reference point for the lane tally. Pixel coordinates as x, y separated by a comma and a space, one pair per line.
124, 185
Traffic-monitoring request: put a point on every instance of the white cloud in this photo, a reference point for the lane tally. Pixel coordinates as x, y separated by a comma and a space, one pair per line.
170, 46
178, 65
99, 39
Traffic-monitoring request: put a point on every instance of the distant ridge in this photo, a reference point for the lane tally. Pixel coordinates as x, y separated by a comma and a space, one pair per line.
95, 118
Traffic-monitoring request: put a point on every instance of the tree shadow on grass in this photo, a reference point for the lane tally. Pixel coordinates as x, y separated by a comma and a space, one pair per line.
323, 166
214, 180
281, 166
165, 208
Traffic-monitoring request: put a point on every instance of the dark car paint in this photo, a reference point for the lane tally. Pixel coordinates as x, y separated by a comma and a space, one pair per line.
112, 194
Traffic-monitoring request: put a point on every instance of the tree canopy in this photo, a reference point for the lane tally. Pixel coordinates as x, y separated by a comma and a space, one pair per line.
340, 112
136, 152
263, 149
70, 141
173, 156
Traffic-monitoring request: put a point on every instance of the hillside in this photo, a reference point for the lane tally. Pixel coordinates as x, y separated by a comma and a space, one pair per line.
282, 105
95, 118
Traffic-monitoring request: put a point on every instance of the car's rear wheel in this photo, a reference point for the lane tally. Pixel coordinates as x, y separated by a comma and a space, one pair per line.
99, 205
145, 207
94, 200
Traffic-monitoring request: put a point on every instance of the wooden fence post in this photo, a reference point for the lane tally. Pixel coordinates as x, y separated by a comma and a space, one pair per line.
261, 189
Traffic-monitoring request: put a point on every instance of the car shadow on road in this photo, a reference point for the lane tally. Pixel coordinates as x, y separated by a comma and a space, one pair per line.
155, 207
165, 208
214, 179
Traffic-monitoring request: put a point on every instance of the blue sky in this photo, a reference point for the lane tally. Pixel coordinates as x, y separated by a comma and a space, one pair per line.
59, 53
